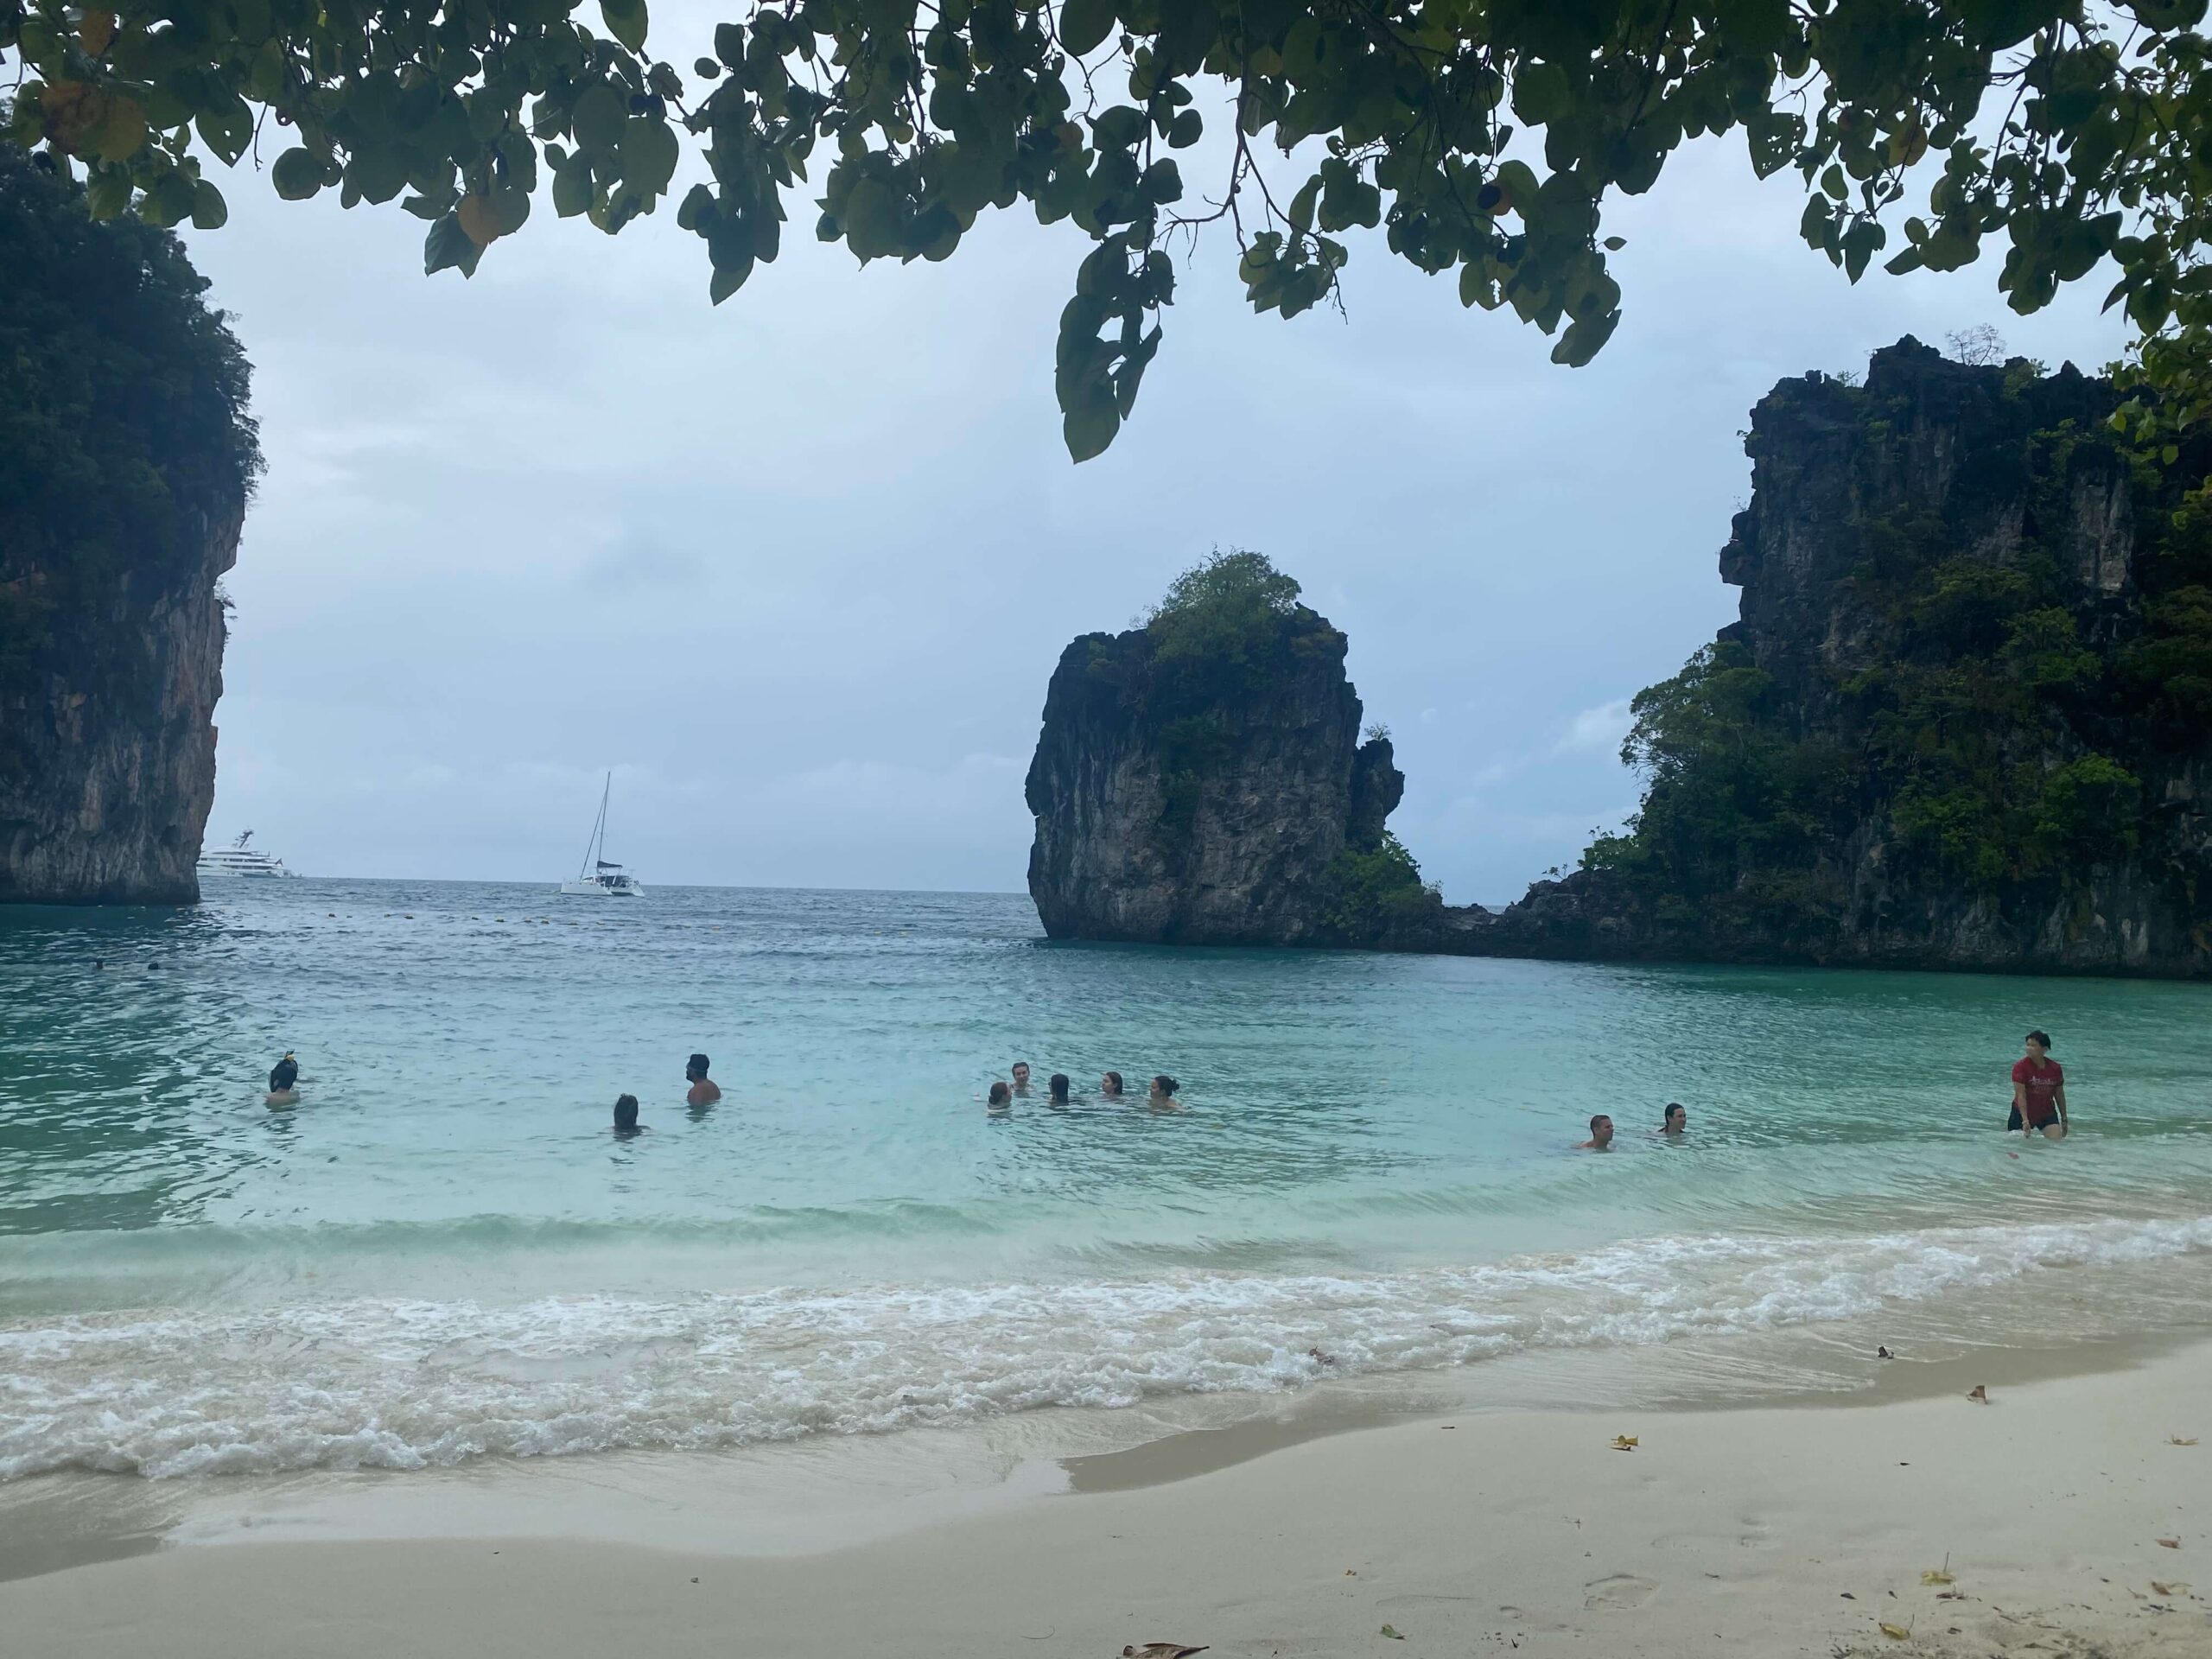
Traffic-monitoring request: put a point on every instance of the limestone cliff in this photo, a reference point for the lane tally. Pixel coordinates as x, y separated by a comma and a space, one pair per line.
126, 458
1962, 721
1206, 796
107, 769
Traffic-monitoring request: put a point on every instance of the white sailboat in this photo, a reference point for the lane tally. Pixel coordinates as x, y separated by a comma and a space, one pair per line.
601, 878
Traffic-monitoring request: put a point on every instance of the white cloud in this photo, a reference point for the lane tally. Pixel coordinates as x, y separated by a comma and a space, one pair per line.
1596, 730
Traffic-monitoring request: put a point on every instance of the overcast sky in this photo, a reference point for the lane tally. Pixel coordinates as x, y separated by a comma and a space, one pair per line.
799, 567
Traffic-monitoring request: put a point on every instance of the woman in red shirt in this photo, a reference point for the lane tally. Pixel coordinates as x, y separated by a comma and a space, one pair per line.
2038, 1091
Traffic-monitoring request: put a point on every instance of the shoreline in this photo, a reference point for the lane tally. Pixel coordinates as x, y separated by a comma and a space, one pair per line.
1768, 1528
825, 1491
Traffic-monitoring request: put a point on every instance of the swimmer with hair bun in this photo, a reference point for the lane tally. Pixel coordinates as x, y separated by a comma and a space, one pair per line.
283, 1080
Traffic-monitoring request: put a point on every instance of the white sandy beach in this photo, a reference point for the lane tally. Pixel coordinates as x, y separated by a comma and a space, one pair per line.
1768, 1531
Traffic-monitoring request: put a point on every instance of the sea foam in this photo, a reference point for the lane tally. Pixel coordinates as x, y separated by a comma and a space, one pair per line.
417, 1383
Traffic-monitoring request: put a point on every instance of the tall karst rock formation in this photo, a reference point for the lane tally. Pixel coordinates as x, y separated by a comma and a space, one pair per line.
1965, 718
1199, 781
126, 459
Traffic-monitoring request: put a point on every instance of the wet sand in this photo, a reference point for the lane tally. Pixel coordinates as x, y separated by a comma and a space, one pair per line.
1773, 1530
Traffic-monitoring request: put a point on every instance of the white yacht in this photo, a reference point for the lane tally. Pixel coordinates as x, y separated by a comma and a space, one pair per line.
240, 859
601, 878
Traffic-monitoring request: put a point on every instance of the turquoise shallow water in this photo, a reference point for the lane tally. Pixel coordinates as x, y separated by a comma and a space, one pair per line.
443, 1253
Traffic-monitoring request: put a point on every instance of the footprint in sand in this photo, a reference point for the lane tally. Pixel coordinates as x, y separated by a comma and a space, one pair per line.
1619, 1593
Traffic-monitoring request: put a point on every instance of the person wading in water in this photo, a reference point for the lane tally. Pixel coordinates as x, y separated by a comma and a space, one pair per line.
2038, 1091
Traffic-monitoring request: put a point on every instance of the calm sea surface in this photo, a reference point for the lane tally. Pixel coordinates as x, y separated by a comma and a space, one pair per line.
443, 1252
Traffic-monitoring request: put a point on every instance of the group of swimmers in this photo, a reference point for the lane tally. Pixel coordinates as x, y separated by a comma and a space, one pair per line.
2038, 1096
700, 1090
999, 1101
1673, 1122
2038, 1102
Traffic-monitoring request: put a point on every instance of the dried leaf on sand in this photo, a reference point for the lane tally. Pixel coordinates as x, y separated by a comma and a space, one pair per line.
1978, 1394
2168, 1589
1895, 1632
1161, 1651
1393, 1633
2176, 1439
1935, 1575
2167, 1543
1624, 1442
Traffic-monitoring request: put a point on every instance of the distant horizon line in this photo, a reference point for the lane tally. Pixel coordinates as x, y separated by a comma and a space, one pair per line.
713, 886
709, 887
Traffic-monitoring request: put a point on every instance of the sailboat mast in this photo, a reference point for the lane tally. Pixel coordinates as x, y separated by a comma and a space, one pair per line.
597, 833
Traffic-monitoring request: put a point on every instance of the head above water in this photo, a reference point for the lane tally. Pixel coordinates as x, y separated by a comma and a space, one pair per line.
1021, 1074
1001, 1095
284, 1073
1676, 1118
625, 1113
1164, 1086
1058, 1086
1110, 1084
1601, 1129
2038, 1044
694, 1068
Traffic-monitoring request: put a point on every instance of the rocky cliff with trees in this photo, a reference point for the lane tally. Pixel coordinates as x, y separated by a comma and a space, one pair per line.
1203, 779
126, 459
1965, 718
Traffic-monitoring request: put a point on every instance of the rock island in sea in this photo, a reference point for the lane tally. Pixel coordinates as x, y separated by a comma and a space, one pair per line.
1964, 721
126, 459
1203, 779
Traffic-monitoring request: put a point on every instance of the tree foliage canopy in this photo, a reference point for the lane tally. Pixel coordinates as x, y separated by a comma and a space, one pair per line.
1483, 138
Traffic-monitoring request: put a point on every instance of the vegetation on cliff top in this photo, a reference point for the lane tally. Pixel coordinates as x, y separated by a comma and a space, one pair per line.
1229, 631
1226, 630
2002, 739
124, 427
1482, 137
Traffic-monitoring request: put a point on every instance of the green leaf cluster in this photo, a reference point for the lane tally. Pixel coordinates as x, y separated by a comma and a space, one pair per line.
1376, 893
123, 429
1480, 137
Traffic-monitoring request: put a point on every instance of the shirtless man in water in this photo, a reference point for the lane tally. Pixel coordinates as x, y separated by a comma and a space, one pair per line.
703, 1092
1601, 1135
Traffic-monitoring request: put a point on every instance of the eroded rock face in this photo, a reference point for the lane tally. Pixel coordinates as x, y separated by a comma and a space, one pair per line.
1213, 824
1986, 455
107, 760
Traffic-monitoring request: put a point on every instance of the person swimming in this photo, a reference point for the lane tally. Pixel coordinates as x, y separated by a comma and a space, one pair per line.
1162, 1095
1021, 1076
284, 1081
626, 1116
1678, 1121
1111, 1086
704, 1090
1001, 1099
1601, 1135
1056, 1088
